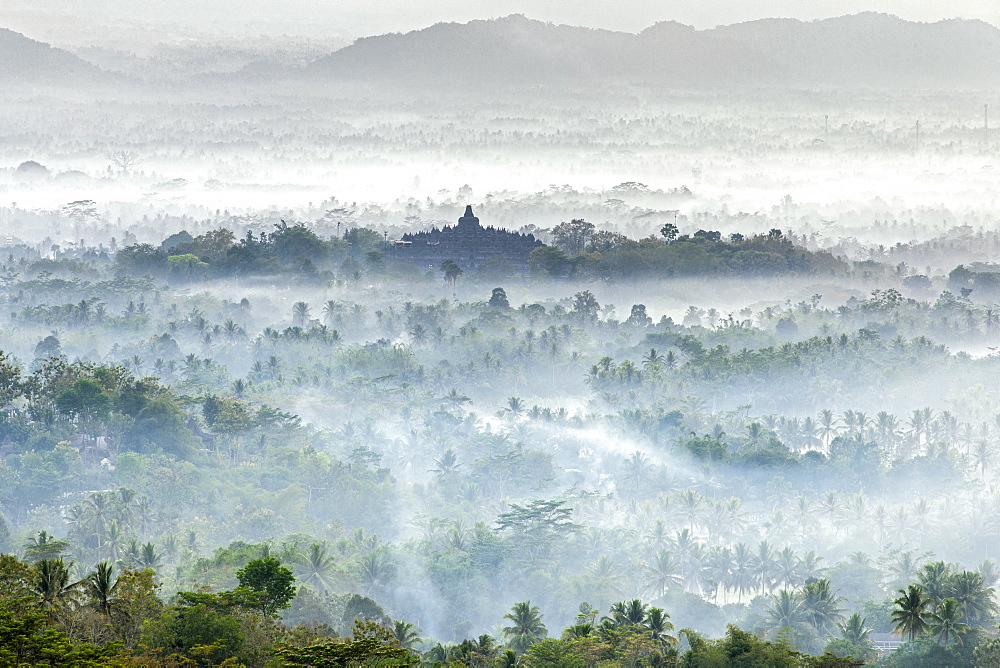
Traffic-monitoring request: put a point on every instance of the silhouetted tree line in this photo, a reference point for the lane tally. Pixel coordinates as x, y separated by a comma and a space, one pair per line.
582, 252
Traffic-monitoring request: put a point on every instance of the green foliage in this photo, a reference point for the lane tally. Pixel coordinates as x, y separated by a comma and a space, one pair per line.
928, 653
738, 648
987, 653
451, 271
28, 639
498, 299
833, 660
550, 262
568, 653
706, 447
268, 583
534, 528
370, 643
572, 237
184, 629
526, 626
909, 615
44, 546
361, 608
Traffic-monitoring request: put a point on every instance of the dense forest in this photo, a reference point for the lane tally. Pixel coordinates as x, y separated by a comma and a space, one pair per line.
285, 449
731, 402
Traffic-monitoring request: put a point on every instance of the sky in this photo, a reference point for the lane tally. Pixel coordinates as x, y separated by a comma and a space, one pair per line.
81, 22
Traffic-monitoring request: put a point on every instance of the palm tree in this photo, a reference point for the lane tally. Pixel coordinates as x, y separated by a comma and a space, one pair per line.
127, 499
114, 537
418, 335
514, 407
577, 631
764, 566
743, 572
135, 555
437, 654
909, 615
658, 623
662, 574
44, 546
887, 428
300, 314
52, 585
144, 516
690, 502
982, 456
407, 635
945, 622
636, 469
628, 613
526, 626
905, 567
787, 565
451, 272
854, 630
100, 586
973, 595
720, 569
827, 428
786, 612
820, 606
935, 581
318, 567
456, 398
508, 660
376, 571
98, 511
988, 569
330, 309
447, 464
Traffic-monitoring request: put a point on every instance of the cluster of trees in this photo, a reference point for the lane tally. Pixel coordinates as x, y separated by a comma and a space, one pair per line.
582, 252
287, 248
578, 252
118, 617
541, 444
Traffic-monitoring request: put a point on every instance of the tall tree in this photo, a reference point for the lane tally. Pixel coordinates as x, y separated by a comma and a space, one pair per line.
451, 272
975, 598
854, 630
101, 586
318, 567
946, 622
44, 546
786, 613
526, 626
52, 583
407, 635
269, 584
820, 606
909, 614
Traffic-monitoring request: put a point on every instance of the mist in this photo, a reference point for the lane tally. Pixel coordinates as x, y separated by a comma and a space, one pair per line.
501, 342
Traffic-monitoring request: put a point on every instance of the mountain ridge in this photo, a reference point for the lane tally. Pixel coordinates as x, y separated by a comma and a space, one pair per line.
868, 49
25, 60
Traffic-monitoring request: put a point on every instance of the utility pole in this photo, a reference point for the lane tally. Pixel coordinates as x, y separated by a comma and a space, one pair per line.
986, 124
826, 128
917, 144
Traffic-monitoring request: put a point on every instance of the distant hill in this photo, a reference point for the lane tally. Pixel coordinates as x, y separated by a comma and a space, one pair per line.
860, 50
872, 49
24, 60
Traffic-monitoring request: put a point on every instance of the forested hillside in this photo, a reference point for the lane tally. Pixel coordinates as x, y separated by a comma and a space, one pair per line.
621, 477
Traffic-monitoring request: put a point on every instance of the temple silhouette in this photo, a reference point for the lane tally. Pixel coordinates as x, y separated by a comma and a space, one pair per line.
468, 243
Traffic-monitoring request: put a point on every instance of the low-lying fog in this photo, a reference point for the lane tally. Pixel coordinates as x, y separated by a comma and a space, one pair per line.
741, 433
